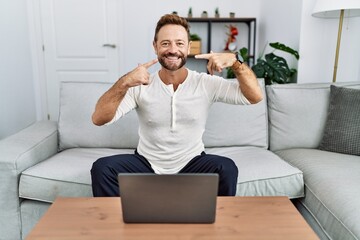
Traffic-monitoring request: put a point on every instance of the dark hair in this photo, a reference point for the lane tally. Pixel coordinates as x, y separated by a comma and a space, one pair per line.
171, 19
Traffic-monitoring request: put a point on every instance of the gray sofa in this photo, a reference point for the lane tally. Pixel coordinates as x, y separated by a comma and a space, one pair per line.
274, 144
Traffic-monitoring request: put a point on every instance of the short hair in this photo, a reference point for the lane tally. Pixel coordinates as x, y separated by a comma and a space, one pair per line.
171, 19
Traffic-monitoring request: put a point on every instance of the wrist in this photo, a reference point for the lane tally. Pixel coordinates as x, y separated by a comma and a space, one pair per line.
234, 60
123, 82
239, 58
236, 66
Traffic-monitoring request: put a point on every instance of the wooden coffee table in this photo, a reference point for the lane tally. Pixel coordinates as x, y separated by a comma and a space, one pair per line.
236, 218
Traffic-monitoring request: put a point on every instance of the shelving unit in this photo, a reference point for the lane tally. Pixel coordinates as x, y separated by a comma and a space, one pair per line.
250, 23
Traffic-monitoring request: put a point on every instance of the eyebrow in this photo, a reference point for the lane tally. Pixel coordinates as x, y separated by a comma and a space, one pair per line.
176, 40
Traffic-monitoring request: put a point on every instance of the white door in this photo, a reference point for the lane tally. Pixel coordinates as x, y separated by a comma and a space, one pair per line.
80, 44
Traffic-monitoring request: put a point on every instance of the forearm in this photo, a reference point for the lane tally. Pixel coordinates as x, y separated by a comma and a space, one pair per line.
249, 85
108, 103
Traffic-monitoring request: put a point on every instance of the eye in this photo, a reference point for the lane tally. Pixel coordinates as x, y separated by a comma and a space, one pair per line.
180, 44
164, 44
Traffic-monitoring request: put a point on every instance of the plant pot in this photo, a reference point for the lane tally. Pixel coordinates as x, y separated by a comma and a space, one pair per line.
195, 48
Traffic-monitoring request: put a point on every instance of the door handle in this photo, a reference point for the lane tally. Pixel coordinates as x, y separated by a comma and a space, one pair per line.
109, 45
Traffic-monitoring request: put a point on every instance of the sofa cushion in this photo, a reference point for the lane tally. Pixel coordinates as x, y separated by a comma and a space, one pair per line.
342, 129
237, 125
297, 114
77, 103
261, 173
331, 189
66, 174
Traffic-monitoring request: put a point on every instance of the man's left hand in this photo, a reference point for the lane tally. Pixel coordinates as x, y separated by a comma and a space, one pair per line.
217, 61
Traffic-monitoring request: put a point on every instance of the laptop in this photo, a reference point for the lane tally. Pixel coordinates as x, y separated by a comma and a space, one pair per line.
178, 198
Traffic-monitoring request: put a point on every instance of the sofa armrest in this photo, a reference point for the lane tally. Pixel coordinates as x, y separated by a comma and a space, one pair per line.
19, 152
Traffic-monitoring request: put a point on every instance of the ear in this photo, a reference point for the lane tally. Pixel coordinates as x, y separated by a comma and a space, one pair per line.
189, 47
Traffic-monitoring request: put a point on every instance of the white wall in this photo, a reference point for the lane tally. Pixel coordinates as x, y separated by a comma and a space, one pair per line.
280, 21
17, 100
318, 38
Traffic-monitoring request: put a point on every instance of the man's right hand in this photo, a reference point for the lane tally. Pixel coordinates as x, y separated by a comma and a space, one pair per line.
139, 76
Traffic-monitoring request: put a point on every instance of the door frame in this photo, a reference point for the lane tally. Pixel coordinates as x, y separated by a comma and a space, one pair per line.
37, 59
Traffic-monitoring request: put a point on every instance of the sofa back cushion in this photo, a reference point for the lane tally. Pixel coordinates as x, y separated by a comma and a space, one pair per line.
298, 113
227, 125
342, 129
237, 125
77, 103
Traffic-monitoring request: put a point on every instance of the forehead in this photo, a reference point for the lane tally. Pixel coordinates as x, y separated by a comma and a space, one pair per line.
172, 32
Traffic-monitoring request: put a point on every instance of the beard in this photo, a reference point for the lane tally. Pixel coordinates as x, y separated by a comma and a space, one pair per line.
172, 66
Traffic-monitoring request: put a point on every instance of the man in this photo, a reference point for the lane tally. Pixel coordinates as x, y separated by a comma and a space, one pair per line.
172, 105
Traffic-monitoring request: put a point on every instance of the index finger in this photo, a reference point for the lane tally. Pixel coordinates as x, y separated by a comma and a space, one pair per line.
204, 56
149, 64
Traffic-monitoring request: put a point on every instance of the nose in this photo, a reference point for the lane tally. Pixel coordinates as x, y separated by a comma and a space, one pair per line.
173, 48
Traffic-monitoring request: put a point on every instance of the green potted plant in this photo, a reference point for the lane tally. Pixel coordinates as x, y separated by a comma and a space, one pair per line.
217, 13
271, 67
190, 13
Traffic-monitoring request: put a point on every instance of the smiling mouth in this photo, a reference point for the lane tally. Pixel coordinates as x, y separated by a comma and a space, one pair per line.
172, 58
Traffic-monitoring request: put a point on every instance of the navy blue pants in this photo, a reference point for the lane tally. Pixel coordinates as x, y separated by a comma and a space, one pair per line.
105, 170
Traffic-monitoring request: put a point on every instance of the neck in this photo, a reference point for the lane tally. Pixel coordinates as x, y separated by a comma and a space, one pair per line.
173, 77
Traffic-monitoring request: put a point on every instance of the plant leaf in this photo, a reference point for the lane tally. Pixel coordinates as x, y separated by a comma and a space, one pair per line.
230, 73
274, 69
279, 67
244, 54
259, 68
283, 47
195, 37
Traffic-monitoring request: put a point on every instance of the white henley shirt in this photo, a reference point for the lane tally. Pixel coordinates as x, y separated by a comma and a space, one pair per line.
172, 123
